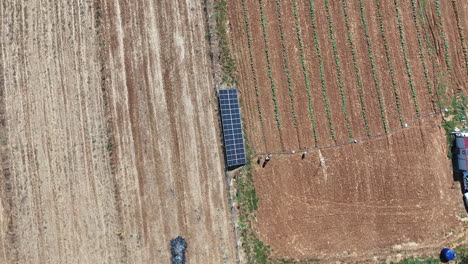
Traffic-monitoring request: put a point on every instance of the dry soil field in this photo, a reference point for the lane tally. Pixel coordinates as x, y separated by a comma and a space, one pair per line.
319, 73
108, 134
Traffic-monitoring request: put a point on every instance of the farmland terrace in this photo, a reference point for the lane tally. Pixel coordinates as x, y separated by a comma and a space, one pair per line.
321, 73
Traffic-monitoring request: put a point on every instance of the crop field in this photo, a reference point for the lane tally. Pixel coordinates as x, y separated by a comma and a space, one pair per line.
320, 73
108, 138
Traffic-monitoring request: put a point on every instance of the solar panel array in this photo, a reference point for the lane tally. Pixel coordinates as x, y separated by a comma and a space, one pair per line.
232, 127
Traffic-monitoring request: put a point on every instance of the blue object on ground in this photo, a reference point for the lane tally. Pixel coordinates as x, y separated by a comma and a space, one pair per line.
178, 246
447, 254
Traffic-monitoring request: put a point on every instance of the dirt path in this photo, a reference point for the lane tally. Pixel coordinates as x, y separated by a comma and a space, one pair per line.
109, 138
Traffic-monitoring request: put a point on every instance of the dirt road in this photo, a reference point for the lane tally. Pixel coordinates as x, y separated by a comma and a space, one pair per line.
108, 134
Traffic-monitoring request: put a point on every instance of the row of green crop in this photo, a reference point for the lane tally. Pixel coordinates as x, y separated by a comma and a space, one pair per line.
421, 49
460, 34
405, 57
270, 73
374, 70
252, 67
285, 62
338, 69
304, 71
322, 74
356, 68
444, 37
389, 62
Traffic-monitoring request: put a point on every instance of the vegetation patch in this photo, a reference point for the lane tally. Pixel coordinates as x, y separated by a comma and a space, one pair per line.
255, 250
462, 254
226, 60
455, 117
418, 261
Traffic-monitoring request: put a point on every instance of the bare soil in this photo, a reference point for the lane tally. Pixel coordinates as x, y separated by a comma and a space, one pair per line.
109, 134
376, 199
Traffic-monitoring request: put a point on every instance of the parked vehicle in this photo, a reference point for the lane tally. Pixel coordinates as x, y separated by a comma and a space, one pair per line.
465, 181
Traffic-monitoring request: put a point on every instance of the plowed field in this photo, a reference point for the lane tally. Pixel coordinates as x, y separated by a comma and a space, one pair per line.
108, 134
322, 73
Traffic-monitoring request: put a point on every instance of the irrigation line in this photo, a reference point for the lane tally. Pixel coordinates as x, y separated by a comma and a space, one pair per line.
353, 141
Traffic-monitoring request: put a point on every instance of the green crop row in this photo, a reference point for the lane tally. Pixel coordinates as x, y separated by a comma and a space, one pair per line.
304, 70
389, 62
285, 62
460, 34
444, 37
405, 57
270, 73
322, 74
374, 70
356, 68
338, 69
421, 49
252, 67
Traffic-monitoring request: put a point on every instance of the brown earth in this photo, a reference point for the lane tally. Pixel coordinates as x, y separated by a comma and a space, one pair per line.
398, 195
388, 196
109, 138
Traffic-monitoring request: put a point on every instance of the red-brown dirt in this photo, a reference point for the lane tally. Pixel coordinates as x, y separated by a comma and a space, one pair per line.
372, 198
361, 200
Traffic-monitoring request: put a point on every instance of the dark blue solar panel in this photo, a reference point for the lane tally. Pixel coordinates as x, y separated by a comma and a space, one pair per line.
232, 127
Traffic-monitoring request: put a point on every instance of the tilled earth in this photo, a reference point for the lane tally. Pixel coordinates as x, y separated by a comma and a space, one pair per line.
109, 138
385, 196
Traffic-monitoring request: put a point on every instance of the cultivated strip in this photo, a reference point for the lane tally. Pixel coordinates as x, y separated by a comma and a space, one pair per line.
252, 68
270, 73
374, 70
338, 69
285, 62
322, 75
405, 57
389, 63
304, 71
421, 51
444, 37
460, 33
356, 68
